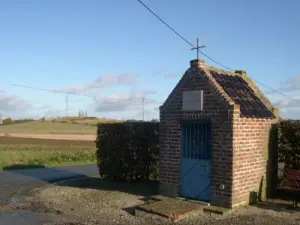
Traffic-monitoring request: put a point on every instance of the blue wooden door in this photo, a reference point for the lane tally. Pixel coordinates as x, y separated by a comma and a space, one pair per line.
195, 168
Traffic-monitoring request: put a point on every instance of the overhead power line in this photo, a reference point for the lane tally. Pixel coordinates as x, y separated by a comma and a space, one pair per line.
54, 91
184, 39
179, 35
130, 100
207, 56
274, 90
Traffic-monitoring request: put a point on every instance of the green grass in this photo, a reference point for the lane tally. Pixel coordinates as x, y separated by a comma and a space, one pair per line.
29, 152
16, 143
30, 147
49, 127
30, 159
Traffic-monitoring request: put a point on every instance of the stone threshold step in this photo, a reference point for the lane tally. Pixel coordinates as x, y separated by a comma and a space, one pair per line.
170, 209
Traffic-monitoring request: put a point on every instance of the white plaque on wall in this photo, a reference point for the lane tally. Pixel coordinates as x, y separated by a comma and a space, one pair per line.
192, 100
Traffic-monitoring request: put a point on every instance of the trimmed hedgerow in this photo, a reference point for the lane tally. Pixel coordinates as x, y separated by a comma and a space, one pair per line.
128, 151
289, 143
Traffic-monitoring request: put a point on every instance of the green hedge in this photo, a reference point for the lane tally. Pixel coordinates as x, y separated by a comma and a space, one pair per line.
289, 143
128, 151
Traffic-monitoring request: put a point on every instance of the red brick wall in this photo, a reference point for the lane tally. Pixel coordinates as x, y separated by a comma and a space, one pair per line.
250, 157
214, 109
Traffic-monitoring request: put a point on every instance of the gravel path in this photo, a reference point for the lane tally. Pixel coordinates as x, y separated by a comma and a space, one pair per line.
94, 201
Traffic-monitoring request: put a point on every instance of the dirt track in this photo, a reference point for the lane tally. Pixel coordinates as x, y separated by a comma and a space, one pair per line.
82, 137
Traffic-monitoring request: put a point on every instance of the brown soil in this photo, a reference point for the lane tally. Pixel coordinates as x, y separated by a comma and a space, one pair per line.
82, 137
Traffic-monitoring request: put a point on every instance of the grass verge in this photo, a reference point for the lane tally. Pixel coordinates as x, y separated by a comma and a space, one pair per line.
38, 159
31, 144
49, 127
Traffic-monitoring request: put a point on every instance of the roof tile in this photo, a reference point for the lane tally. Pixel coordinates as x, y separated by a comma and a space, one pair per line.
242, 94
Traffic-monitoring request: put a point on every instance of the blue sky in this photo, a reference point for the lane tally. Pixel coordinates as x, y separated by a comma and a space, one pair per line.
116, 50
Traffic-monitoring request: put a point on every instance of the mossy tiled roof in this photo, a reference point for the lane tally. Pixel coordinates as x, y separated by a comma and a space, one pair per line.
242, 94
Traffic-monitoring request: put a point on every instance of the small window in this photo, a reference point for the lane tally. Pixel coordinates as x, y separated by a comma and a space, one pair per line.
192, 100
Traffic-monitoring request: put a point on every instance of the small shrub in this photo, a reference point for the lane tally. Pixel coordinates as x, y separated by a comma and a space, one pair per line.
7, 121
128, 151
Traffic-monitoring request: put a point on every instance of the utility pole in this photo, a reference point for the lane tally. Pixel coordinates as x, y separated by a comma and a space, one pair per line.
67, 105
143, 98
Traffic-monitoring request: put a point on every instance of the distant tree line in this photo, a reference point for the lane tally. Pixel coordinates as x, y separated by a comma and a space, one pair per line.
9, 121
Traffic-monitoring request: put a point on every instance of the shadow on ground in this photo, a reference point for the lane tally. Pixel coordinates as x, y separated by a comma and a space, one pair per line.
63, 175
22, 166
278, 206
142, 188
26, 174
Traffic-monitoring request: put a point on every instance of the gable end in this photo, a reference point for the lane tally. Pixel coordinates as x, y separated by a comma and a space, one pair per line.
198, 71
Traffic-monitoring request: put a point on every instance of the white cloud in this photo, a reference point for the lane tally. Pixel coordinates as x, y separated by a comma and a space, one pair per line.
289, 108
116, 103
291, 84
293, 80
166, 74
42, 107
11, 103
18, 108
284, 110
148, 114
54, 112
135, 91
290, 113
101, 82
287, 103
122, 102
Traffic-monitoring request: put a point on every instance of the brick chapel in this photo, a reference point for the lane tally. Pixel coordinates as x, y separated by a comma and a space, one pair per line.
214, 137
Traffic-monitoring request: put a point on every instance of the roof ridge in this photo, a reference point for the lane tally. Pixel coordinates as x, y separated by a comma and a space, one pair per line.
217, 86
224, 72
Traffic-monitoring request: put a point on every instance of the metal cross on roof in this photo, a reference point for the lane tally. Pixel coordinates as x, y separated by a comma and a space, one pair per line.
198, 47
